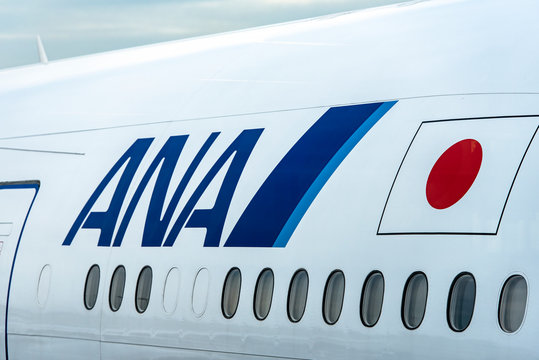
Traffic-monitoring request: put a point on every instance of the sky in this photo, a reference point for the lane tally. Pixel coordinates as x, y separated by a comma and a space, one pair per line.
71, 28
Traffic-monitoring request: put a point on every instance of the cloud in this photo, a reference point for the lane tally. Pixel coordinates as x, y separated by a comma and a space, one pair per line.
15, 36
76, 27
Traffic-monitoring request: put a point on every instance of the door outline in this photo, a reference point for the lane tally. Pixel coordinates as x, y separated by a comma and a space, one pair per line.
32, 184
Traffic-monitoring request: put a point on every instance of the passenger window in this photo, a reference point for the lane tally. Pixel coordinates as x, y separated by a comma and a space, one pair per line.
231, 293
43, 285
414, 301
199, 297
512, 305
461, 302
372, 298
144, 289
171, 289
91, 288
263, 294
117, 285
297, 295
333, 297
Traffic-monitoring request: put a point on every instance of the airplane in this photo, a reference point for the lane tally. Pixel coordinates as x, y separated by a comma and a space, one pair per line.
354, 186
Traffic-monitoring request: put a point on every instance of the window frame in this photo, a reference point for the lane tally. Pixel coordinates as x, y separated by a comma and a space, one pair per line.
324, 299
228, 274
289, 292
367, 278
84, 295
256, 291
407, 284
123, 287
140, 310
510, 277
450, 296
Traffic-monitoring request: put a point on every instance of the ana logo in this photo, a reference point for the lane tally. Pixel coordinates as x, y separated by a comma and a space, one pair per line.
272, 214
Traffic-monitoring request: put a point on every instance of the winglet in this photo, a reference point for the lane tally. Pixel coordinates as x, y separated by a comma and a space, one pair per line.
41, 50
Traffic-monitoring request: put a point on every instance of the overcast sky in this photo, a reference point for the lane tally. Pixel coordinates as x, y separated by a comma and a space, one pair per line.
77, 27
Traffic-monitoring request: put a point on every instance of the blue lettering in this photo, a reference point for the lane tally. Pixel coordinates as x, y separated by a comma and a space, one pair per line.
155, 226
157, 223
213, 219
106, 221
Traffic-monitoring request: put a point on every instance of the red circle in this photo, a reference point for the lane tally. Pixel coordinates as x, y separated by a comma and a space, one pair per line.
454, 173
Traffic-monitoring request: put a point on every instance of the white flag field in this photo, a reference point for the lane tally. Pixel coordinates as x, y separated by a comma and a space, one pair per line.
456, 176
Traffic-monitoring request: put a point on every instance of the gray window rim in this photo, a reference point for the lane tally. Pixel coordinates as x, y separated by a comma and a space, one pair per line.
460, 275
500, 303
288, 296
372, 273
333, 273
223, 294
404, 297
94, 266
139, 310
110, 287
256, 288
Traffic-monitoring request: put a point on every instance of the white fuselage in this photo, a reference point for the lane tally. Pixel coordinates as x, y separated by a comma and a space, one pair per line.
251, 126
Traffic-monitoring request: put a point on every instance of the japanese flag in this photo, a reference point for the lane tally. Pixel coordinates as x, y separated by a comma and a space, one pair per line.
457, 176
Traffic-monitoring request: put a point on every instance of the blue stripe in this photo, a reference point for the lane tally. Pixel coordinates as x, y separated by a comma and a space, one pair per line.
276, 209
324, 176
